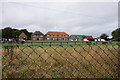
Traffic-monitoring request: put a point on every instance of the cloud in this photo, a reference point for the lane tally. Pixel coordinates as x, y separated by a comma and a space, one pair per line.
73, 18
59, 0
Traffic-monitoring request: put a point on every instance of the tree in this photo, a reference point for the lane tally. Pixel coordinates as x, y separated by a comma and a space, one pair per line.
104, 36
7, 32
116, 34
16, 33
0, 34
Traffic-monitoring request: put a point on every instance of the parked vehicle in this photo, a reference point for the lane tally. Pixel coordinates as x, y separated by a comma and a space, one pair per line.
22, 40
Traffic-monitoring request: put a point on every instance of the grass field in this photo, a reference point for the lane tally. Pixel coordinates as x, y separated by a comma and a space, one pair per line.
56, 43
78, 61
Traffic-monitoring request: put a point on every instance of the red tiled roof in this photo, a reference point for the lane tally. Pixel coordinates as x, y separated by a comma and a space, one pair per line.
56, 33
97, 38
37, 33
89, 37
22, 34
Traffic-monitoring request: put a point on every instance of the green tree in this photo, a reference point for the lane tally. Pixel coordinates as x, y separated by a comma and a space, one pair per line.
104, 36
0, 33
116, 34
7, 32
16, 33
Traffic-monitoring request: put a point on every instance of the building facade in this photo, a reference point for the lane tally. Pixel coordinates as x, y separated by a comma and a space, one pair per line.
89, 38
23, 36
56, 36
77, 37
37, 35
98, 39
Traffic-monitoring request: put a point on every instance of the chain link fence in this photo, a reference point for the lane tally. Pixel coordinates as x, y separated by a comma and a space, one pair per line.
61, 61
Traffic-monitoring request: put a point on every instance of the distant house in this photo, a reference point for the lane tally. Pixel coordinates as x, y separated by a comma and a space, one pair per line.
37, 35
23, 36
99, 39
89, 38
85, 39
77, 37
57, 36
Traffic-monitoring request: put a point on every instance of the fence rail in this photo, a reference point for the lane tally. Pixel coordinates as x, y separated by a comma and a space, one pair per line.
61, 61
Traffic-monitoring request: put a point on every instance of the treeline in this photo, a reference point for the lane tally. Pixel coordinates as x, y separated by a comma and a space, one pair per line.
8, 32
116, 34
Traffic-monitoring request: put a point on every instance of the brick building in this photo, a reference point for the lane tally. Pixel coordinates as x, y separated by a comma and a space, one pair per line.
56, 36
89, 38
77, 37
37, 35
23, 36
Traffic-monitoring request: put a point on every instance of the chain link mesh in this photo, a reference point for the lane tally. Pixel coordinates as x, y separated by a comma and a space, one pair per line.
61, 61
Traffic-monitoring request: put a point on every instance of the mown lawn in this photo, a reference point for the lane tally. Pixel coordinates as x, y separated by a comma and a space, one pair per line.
63, 43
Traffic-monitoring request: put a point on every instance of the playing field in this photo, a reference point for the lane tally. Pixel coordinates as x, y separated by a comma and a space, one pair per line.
66, 60
63, 43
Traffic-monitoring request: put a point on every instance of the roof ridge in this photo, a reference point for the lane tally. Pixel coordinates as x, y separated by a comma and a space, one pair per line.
37, 32
56, 32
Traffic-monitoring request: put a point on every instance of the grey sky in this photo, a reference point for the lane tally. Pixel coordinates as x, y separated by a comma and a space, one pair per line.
90, 18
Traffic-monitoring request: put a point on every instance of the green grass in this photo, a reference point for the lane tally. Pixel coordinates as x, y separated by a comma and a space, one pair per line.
63, 43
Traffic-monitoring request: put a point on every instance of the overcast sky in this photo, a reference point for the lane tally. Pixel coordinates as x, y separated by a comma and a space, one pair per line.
84, 18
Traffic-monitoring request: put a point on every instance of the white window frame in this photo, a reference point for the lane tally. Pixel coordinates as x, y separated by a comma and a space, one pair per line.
48, 38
